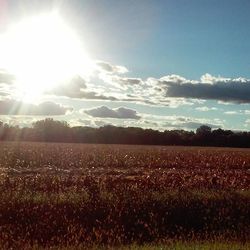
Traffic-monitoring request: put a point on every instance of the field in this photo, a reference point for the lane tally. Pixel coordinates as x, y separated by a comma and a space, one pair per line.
142, 197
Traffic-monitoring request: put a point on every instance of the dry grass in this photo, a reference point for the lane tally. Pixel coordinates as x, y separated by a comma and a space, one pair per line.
73, 195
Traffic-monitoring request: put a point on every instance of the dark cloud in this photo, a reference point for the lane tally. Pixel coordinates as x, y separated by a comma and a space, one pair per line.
226, 90
128, 81
119, 113
95, 96
13, 107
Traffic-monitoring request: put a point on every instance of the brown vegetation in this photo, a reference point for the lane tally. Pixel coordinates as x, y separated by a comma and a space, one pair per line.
70, 194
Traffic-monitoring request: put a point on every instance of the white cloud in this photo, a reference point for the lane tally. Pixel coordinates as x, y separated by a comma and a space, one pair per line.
238, 112
231, 113
109, 83
205, 109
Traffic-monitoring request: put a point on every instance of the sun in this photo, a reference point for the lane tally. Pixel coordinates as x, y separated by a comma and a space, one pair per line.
42, 52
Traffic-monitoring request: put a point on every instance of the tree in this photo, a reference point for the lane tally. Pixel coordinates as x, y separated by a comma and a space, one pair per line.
203, 130
1, 130
51, 130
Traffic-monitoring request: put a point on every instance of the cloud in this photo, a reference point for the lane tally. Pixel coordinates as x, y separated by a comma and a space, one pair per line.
86, 95
109, 68
148, 123
6, 77
95, 96
3, 94
108, 83
101, 123
205, 109
194, 125
130, 81
22, 121
207, 78
175, 79
81, 122
72, 88
231, 113
182, 122
125, 81
238, 112
209, 88
119, 113
77, 88
189, 125
13, 107
175, 90
122, 82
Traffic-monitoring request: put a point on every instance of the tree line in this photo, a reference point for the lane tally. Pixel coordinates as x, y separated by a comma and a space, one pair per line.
50, 130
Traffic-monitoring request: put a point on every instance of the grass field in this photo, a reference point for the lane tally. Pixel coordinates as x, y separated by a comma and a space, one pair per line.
77, 196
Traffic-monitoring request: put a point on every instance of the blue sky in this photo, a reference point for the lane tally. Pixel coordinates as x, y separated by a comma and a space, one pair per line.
182, 63
182, 37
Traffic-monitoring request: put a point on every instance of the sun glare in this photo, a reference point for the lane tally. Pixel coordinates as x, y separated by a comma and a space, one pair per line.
42, 52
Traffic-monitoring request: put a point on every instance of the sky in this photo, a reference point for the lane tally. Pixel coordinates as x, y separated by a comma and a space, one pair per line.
151, 64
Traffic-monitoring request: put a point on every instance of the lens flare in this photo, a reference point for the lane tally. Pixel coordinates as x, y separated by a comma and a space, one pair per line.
42, 52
